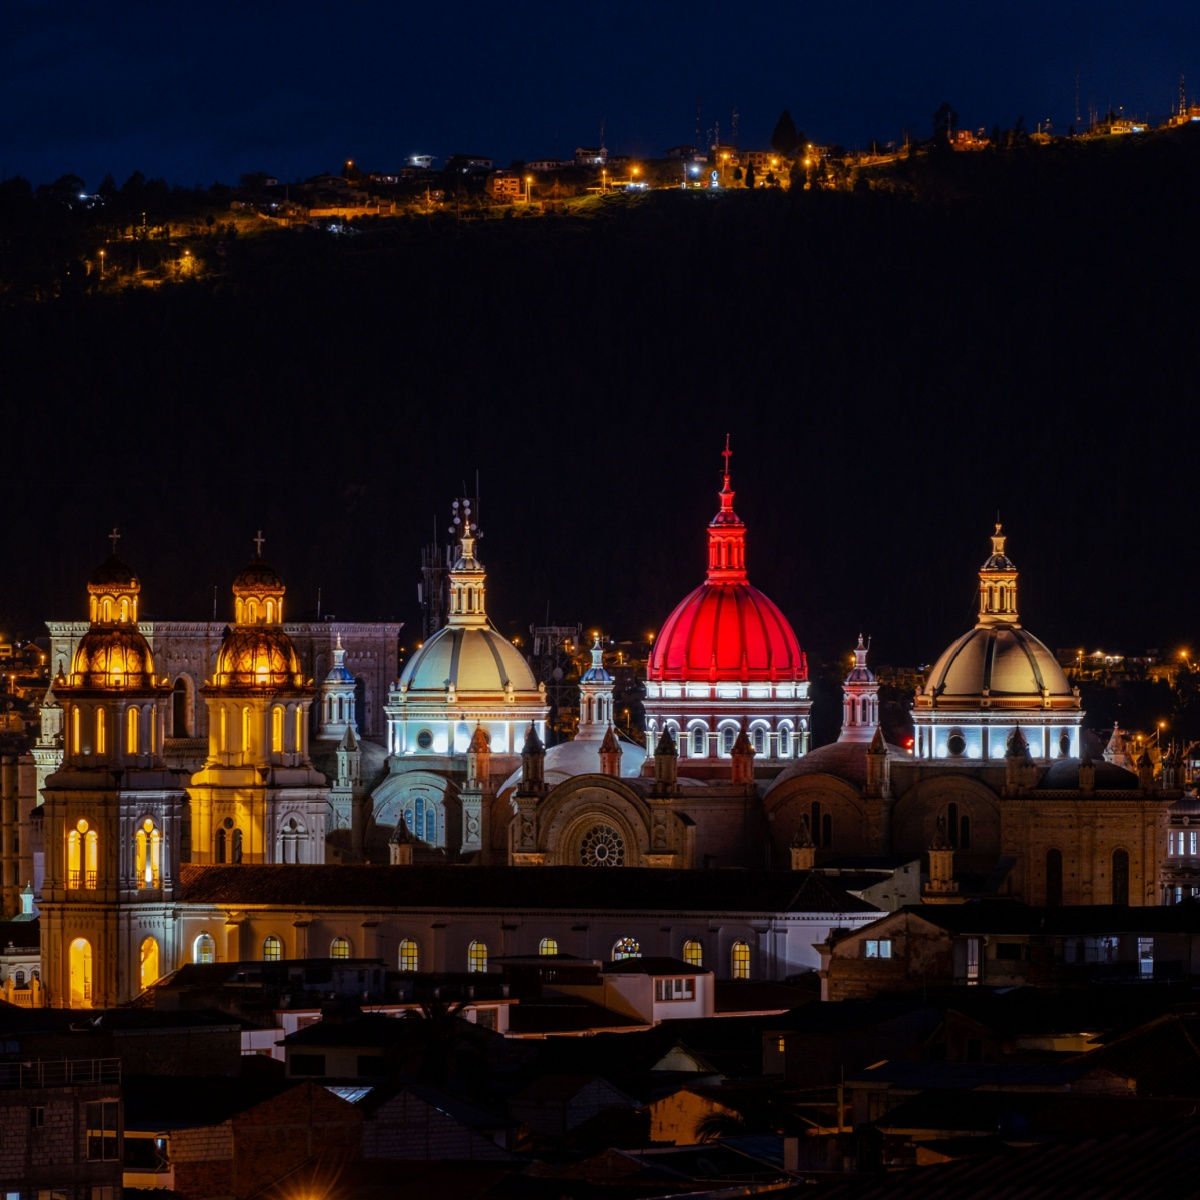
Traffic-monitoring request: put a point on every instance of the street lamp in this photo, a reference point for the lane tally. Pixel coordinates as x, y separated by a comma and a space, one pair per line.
102, 264
528, 186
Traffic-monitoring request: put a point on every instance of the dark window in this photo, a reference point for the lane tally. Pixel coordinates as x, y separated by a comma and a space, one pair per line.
1120, 877
952, 825
220, 854
37, 1116
964, 833
237, 846
1054, 877
306, 1064
102, 1139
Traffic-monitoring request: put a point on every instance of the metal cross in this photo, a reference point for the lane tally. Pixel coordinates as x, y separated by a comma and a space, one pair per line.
258, 542
114, 537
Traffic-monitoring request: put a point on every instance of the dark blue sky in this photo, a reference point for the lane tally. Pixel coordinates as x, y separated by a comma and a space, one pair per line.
199, 92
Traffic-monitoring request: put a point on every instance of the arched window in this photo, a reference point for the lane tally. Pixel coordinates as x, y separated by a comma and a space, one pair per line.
19, 977
548, 946
964, 832
75, 727
106, 609
759, 739
626, 947
80, 971
339, 948
1120, 877
740, 960
147, 855
477, 957
291, 837
952, 825
235, 854
83, 856
124, 608
410, 955
299, 731
181, 725
270, 612
131, 730
245, 728
224, 728
727, 737
699, 740
101, 731
693, 953
785, 741
204, 949
148, 970
1054, 878
277, 729
251, 611
272, 949
219, 848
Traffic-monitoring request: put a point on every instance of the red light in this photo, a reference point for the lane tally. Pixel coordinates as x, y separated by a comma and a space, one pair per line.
908, 743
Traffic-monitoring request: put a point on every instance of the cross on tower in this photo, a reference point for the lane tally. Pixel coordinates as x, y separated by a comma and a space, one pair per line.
727, 454
258, 543
114, 537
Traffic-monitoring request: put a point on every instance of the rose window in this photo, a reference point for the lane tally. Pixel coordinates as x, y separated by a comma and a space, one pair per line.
602, 846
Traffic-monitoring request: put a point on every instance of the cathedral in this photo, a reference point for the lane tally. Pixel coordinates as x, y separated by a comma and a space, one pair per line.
267, 790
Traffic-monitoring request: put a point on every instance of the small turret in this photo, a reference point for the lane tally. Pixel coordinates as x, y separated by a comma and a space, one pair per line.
533, 762
1172, 770
941, 864
479, 757
804, 853
742, 757
1017, 761
1087, 775
860, 699
1117, 750
878, 765
610, 754
401, 845
666, 760
1145, 771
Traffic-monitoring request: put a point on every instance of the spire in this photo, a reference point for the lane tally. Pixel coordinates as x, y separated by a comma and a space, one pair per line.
860, 698
998, 585
610, 754
467, 576
1018, 746
726, 534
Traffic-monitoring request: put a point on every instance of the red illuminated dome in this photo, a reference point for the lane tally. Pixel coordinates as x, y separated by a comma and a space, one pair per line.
726, 629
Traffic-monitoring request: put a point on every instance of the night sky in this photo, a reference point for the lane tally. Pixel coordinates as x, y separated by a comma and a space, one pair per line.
196, 94
869, 494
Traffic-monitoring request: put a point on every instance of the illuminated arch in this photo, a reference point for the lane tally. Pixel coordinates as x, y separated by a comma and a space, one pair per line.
204, 949
148, 963
80, 973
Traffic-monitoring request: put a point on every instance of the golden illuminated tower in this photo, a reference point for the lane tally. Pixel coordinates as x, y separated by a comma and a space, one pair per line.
258, 798
113, 813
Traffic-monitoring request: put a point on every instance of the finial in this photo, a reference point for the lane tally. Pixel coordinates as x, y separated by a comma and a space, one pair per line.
339, 641
258, 543
726, 454
114, 537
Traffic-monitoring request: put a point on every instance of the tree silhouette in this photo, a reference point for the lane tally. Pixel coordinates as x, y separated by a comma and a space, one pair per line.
785, 137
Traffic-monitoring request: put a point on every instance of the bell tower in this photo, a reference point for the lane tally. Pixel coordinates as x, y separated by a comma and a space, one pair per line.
113, 812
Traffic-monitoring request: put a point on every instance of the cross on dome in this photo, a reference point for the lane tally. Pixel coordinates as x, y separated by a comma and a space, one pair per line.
114, 537
259, 541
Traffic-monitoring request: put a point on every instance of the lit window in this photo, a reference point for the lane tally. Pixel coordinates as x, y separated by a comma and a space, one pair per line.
339, 948
101, 732
410, 955
548, 946
626, 947
781, 1044
740, 957
878, 948
674, 989
204, 949
245, 727
277, 730
758, 741
147, 855
693, 953
131, 731
698, 742
299, 747
727, 736
477, 956
272, 949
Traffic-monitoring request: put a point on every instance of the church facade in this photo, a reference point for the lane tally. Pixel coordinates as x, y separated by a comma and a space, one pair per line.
297, 826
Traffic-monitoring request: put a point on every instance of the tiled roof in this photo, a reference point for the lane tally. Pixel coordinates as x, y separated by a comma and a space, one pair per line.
507, 888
